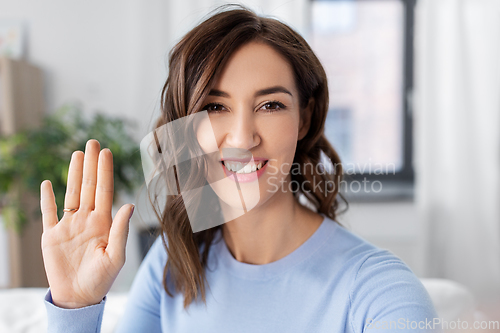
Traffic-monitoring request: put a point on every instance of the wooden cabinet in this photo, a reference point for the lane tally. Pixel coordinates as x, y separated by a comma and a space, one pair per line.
21, 95
21, 107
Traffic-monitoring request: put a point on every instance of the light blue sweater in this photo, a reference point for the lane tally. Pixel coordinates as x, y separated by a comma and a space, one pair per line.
334, 282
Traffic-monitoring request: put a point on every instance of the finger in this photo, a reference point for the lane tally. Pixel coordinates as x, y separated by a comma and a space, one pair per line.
89, 181
104, 189
48, 205
74, 186
119, 233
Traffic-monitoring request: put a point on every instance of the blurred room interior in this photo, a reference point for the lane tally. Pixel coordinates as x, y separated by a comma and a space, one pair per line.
414, 113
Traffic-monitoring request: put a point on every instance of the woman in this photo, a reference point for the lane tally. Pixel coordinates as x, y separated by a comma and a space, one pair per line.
275, 266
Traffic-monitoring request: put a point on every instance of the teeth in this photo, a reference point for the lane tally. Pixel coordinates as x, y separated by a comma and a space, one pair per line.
246, 169
241, 168
233, 166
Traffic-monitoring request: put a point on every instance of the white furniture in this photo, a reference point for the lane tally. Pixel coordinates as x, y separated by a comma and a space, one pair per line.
22, 310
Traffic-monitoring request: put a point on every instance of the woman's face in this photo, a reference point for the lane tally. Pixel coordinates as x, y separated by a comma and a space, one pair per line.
253, 108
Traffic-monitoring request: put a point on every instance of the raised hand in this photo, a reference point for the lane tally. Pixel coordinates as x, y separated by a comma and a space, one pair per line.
84, 251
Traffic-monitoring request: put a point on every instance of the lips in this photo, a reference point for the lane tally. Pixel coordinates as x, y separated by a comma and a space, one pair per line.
244, 171
243, 168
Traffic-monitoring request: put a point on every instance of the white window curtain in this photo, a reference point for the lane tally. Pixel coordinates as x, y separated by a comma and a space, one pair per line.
457, 139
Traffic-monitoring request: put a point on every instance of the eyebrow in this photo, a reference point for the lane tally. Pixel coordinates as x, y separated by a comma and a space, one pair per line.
262, 92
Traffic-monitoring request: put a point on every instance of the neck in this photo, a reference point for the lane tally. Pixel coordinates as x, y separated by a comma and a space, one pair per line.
270, 232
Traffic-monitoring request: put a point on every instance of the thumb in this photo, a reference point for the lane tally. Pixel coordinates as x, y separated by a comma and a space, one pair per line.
118, 233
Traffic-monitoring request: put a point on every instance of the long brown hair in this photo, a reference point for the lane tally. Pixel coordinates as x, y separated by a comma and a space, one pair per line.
194, 66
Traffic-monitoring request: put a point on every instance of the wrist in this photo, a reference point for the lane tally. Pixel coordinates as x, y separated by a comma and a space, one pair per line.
72, 304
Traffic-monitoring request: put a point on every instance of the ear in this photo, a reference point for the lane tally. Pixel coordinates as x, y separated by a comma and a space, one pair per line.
305, 118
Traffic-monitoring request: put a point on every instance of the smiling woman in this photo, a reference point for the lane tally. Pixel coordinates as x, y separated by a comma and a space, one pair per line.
259, 114
273, 266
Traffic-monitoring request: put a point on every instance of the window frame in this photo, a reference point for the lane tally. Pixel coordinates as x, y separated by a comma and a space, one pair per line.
400, 185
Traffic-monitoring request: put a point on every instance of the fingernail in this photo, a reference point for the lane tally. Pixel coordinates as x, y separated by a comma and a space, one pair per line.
132, 212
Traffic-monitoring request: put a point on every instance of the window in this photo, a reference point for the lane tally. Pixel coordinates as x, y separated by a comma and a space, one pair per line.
366, 49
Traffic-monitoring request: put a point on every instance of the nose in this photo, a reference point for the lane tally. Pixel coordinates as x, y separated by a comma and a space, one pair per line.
242, 131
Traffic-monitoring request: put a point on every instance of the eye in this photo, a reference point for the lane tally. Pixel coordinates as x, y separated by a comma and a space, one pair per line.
214, 108
273, 106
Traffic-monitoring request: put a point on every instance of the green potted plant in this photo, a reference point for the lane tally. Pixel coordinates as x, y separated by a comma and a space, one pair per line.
30, 156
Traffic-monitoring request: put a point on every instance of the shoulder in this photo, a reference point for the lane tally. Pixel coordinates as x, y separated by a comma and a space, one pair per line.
370, 265
386, 292
383, 277
382, 287
348, 248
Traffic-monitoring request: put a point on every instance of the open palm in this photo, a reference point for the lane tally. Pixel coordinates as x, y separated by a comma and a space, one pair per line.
84, 251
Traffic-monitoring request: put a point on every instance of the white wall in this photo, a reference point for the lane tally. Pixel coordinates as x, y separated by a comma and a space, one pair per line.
99, 52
